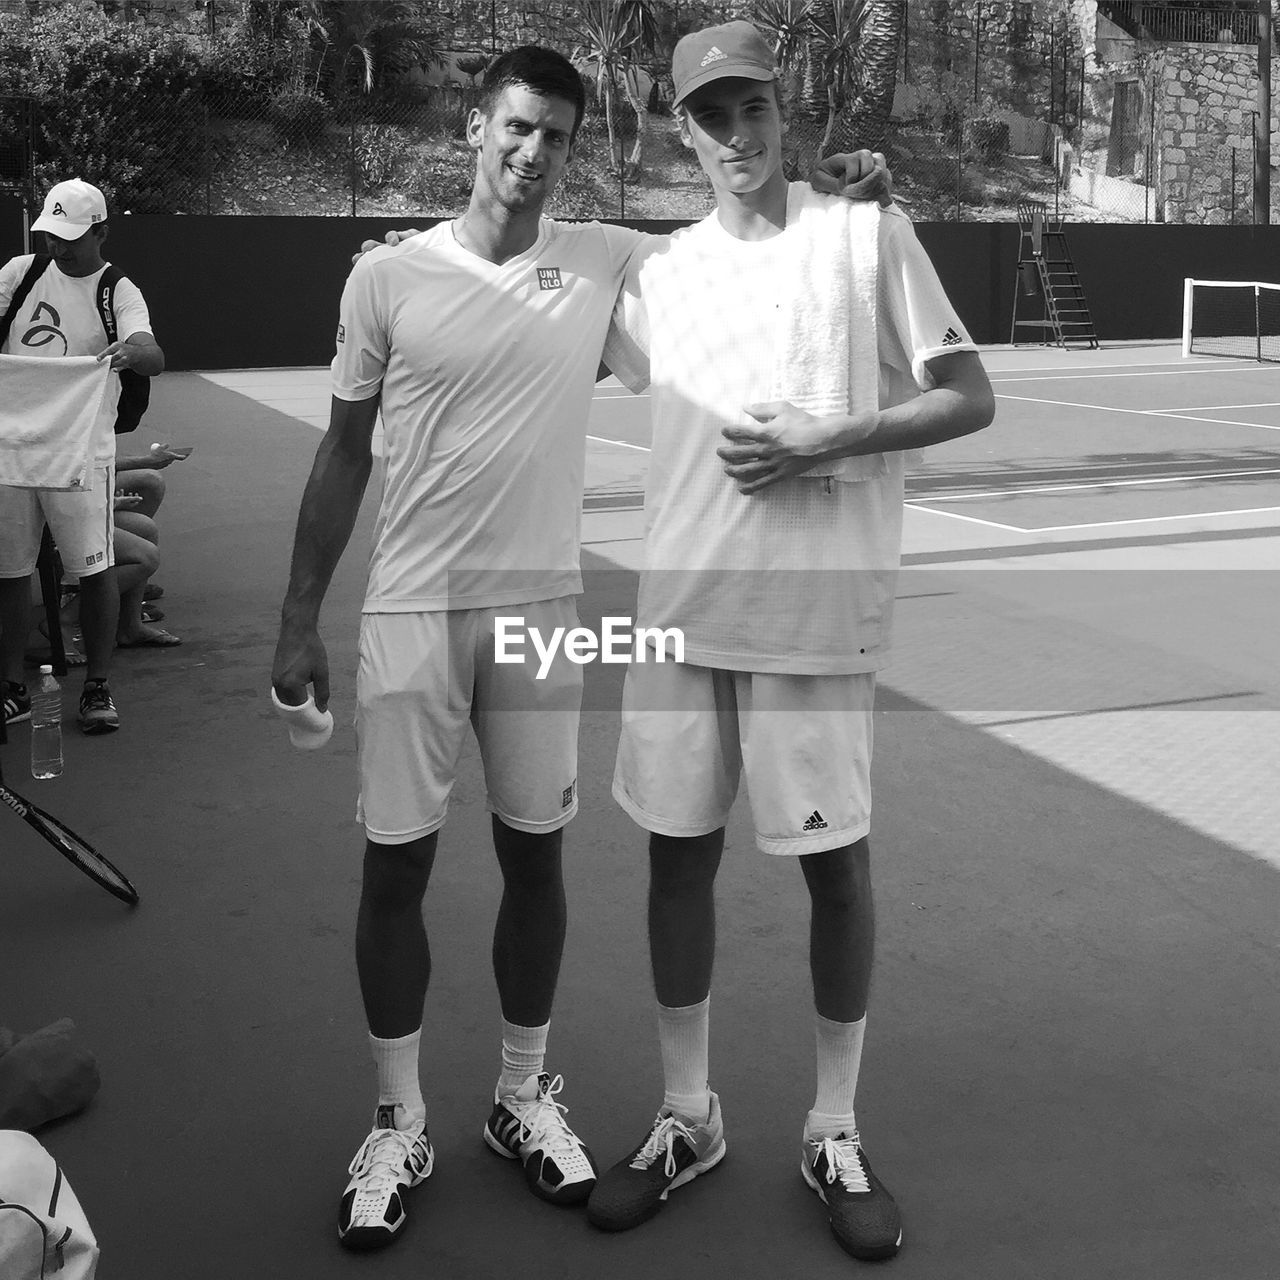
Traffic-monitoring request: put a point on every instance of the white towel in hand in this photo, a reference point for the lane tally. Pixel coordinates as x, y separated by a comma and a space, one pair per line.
48, 418
827, 360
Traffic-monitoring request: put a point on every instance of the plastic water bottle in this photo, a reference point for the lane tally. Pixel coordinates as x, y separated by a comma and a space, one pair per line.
46, 726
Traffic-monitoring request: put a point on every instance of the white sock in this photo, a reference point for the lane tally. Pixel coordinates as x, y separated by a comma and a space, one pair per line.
839, 1058
397, 1063
524, 1049
684, 1034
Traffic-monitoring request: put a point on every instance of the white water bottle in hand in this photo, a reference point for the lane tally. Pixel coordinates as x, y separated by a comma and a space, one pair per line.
46, 726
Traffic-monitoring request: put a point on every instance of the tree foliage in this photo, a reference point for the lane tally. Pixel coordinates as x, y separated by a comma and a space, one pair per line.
115, 103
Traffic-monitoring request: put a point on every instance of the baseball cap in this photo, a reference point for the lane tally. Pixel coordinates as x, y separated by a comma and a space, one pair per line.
70, 209
715, 53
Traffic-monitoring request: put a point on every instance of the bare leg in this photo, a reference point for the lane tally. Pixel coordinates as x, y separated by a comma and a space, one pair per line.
99, 612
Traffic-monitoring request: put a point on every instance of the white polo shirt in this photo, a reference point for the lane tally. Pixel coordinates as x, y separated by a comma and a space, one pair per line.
799, 577
486, 374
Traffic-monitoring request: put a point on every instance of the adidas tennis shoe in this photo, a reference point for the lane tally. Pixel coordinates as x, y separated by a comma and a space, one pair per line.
864, 1218
674, 1153
372, 1212
529, 1126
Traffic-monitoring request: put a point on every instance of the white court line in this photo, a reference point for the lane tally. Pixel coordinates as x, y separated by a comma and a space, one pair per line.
1238, 362
955, 515
1142, 413
1102, 484
622, 444
1205, 408
1190, 515
1144, 373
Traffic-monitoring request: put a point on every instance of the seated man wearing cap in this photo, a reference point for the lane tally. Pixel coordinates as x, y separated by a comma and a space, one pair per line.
794, 346
60, 317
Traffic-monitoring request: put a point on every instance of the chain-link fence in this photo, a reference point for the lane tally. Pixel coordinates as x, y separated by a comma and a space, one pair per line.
992, 102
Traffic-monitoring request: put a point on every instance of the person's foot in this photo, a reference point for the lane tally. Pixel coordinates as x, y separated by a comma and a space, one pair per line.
390, 1161
97, 711
145, 637
529, 1126
675, 1152
864, 1218
17, 703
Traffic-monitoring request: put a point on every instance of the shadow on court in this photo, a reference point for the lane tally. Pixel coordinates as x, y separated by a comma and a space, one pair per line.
1072, 1047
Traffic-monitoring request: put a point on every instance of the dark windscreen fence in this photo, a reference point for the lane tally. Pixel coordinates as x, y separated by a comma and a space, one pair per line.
1235, 318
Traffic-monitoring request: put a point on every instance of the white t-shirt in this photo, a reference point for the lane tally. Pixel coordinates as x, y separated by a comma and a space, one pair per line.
486, 374
799, 577
60, 317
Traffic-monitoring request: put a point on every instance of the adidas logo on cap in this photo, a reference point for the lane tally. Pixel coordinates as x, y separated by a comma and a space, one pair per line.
713, 55
814, 822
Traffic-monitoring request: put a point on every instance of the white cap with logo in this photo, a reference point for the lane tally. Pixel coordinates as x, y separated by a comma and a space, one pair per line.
70, 209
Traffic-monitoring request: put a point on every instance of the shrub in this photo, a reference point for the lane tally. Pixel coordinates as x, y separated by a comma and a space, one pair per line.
380, 149
989, 137
117, 104
299, 117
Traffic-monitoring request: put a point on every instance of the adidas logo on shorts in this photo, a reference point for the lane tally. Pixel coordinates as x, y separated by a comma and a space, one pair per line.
814, 822
951, 338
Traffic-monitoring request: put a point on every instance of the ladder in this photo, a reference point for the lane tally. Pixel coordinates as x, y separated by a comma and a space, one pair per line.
1046, 271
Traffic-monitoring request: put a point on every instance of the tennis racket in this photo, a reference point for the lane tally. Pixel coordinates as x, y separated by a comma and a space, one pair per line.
72, 847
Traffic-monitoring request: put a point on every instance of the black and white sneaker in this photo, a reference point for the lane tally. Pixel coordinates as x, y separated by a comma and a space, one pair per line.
17, 702
97, 711
529, 1126
863, 1215
673, 1154
390, 1161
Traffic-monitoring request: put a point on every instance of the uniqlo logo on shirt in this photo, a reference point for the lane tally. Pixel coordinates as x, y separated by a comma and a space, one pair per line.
549, 278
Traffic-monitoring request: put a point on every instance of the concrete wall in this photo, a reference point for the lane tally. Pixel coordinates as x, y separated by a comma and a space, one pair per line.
254, 292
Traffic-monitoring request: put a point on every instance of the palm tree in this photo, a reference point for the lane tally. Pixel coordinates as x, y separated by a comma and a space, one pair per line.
612, 36
377, 38
878, 58
834, 67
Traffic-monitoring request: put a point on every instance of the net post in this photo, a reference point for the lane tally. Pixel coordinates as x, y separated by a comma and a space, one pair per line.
1188, 287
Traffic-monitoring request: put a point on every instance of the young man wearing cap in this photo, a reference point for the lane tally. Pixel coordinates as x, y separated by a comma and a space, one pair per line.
479, 340
772, 542
60, 317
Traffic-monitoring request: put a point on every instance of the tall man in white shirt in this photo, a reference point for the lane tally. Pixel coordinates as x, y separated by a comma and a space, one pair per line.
782, 583
60, 316
480, 341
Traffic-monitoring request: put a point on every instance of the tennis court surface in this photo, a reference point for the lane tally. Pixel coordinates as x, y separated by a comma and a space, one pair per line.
1072, 1043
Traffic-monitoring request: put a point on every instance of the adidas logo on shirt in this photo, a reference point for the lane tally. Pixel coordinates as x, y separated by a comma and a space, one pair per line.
814, 822
951, 338
713, 55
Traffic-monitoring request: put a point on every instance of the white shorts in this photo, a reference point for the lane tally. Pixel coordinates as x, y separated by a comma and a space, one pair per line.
81, 523
804, 742
422, 677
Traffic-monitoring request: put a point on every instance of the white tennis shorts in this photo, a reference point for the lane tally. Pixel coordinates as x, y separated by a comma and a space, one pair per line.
81, 523
422, 678
804, 743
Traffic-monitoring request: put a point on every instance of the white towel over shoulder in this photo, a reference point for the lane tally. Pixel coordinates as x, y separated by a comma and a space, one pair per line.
828, 358
48, 417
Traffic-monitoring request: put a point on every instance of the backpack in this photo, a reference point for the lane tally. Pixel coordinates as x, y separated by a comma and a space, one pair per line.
135, 388
44, 1233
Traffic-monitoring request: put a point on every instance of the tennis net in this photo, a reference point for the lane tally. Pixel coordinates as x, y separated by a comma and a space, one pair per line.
1239, 318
